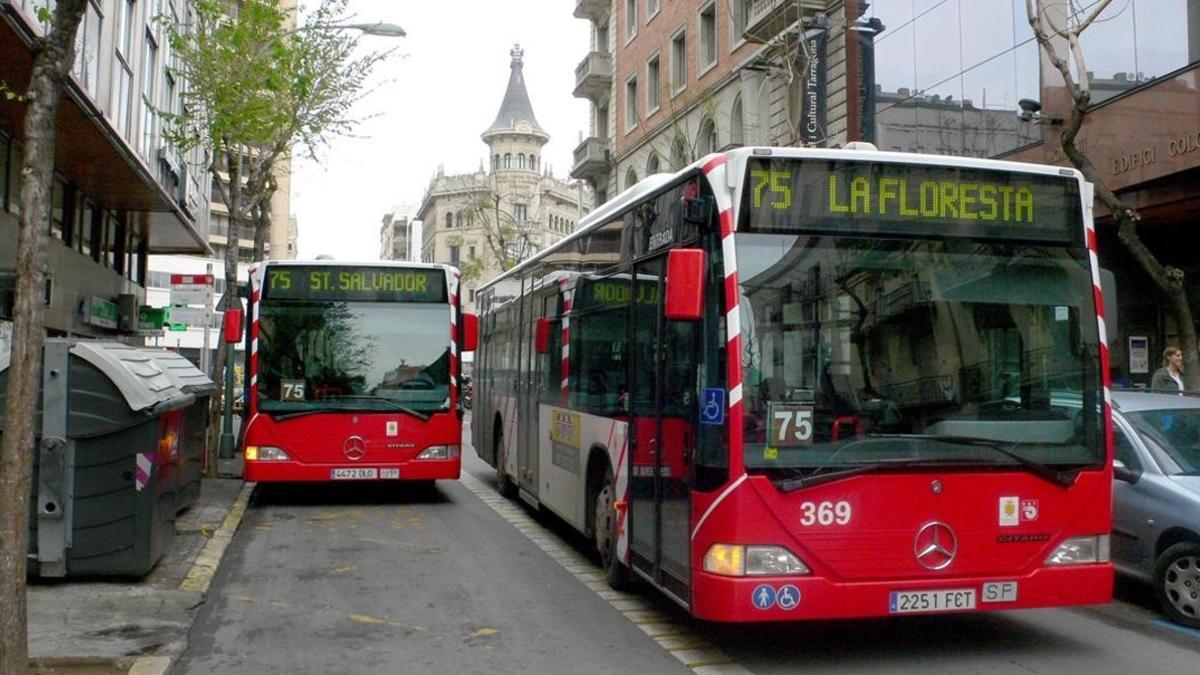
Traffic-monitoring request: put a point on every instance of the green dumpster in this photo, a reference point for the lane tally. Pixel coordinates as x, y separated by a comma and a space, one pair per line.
105, 484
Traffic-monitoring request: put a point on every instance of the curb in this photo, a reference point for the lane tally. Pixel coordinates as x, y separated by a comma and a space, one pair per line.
200, 576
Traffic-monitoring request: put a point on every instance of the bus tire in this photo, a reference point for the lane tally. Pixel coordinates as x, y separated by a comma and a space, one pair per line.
504, 484
605, 533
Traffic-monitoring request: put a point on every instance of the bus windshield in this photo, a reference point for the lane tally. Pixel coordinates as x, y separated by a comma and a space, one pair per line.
368, 356
864, 350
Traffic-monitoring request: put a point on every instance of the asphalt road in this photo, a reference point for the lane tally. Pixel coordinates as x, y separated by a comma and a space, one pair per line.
367, 579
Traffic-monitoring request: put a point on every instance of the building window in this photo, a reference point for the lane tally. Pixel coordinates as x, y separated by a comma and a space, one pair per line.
737, 28
630, 19
58, 198
149, 118
454, 255
630, 178
533, 162
87, 223
736, 134
652, 7
631, 103
124, 97
458, 219
496, 162
508, 160
708, 136
449, 220
653, 165
125, 29
87, 49
520, 213
520, 160
679, 61
707, 56
653, 85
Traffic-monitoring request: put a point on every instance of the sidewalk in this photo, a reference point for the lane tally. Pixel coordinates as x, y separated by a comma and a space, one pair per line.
137, 626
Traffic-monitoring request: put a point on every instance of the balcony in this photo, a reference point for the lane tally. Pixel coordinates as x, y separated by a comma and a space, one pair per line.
592, 159
593, 77
592, 10
766, 18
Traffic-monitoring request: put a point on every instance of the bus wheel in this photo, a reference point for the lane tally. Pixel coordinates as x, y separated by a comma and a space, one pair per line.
504, 484
606, 534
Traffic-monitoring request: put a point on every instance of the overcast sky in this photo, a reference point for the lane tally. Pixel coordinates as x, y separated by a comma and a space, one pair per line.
434, 98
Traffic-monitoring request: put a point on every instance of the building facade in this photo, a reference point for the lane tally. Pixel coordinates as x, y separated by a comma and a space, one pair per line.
487, 221
119, 193
670, 82
399, 235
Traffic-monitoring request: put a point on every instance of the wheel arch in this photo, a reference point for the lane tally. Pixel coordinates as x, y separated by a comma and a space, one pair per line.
597, 463
1172, 536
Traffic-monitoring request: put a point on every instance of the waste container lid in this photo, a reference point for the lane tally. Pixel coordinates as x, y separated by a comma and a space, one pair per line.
137, 375
182, 372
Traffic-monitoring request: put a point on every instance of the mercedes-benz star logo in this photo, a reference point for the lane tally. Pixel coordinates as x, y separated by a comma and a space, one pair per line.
935, 546
355, 448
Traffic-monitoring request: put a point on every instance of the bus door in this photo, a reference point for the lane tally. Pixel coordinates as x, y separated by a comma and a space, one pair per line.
662, 392
527, 394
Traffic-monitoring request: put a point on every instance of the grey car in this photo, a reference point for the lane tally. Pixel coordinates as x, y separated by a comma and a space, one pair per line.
1156, 497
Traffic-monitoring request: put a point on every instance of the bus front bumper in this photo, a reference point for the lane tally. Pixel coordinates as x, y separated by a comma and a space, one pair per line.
751, 599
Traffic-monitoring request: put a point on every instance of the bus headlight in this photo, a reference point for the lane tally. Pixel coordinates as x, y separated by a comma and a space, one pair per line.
733, 560
1081, 551
266, 453
439, 452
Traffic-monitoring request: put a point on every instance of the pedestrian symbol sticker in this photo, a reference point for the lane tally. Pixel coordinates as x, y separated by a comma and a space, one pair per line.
712, 406
788, 597
763, 597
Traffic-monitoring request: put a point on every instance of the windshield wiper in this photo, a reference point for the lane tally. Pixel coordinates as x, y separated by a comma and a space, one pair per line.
391, 404
1043, 471
819, 476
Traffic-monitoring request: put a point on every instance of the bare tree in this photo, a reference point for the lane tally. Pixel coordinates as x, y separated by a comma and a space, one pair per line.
1058, 26
54, 55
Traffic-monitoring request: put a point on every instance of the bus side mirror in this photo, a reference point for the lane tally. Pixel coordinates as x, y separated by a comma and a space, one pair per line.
685, 284
233, 326
470, 331
542, 336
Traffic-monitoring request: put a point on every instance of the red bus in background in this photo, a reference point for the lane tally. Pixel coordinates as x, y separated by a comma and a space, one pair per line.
793, 383
353, 371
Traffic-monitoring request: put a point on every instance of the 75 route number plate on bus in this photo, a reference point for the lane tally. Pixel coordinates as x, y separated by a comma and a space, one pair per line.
914, 602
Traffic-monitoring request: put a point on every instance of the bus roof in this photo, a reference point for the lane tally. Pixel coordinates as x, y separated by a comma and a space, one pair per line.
864, 152
356, 263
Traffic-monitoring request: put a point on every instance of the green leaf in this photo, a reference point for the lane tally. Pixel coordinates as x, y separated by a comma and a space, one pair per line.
44, 15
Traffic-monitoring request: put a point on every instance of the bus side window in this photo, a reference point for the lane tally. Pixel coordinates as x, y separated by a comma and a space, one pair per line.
712, 448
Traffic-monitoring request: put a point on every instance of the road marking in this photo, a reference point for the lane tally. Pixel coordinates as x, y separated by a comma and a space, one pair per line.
205, 566
1176, 627
691, 650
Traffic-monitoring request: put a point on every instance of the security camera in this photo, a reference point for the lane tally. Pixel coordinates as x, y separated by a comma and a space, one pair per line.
1029, 106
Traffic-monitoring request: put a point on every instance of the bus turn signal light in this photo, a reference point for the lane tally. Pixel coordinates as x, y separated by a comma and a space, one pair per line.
733, 560
266, 453
439, 452
1081, 551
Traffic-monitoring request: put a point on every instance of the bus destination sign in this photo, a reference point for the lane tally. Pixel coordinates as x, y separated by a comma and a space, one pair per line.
908, 199
361, 283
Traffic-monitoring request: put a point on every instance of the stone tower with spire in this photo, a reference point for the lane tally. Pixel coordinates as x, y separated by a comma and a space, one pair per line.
511, 207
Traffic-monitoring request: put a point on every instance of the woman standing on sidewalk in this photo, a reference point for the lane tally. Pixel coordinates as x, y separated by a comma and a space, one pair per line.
1170, 376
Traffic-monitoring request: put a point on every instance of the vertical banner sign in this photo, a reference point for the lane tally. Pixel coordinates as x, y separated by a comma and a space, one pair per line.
813, 105
866, 83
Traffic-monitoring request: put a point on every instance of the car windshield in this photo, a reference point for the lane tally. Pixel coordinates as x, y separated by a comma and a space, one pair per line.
1173, 436
866, 350
354, 356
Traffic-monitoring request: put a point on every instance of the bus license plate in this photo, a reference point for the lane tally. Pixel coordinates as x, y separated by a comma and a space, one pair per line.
914, 602
358, 473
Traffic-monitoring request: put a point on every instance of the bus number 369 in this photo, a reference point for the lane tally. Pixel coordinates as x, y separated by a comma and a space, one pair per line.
825, 513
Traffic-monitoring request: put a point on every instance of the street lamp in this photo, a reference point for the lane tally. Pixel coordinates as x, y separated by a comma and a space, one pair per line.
378, 28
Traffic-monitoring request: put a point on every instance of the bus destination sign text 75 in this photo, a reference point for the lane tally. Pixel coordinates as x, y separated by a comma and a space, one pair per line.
908, 199
358, 283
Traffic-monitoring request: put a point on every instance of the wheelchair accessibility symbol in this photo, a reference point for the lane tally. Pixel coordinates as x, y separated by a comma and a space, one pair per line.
712, 406
788, 597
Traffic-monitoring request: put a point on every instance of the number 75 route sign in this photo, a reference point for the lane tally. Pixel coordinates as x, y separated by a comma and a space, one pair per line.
790, 425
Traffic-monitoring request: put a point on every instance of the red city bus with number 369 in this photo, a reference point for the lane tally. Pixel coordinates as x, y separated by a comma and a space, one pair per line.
353, 372
791, 383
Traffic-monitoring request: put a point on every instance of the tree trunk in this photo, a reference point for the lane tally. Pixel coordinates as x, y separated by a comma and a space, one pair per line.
262, 225
233, 164
16, 453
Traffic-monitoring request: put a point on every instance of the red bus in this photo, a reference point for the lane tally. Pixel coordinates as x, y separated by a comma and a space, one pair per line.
352, 372
790, 383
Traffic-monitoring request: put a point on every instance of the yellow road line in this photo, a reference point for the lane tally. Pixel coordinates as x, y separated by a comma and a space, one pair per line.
205, 566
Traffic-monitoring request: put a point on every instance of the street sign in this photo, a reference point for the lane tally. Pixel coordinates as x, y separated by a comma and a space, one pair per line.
100, 312
151, 318
191, 294
192, 316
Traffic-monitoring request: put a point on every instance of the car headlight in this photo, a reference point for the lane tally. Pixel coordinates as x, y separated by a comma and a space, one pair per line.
266, 453
439, 452
1081, 551
734, 560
